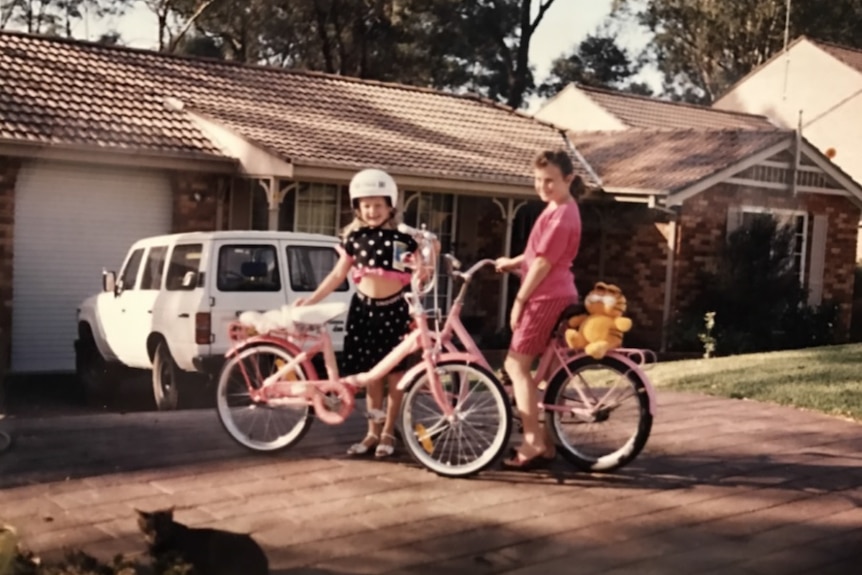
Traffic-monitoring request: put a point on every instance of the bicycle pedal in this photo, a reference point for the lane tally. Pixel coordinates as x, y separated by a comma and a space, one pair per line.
376, 415
423, 437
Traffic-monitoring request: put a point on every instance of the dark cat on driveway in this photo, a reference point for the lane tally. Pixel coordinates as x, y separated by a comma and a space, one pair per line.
208, 551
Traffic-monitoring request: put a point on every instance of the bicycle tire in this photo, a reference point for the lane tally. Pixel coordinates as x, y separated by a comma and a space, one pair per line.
634, 444
225, 414
420, 451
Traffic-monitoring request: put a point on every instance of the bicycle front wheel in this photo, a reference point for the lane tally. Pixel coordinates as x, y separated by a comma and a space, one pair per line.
599, 416
476, 433
259, 426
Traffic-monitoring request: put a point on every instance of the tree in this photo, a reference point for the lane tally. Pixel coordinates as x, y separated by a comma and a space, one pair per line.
704, 46
597, 61
55, 17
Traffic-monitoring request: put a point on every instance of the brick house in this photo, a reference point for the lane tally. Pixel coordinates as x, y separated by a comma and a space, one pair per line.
704, 169
100, 146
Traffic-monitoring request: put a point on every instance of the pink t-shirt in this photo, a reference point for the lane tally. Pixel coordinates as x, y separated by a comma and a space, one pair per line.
556, 236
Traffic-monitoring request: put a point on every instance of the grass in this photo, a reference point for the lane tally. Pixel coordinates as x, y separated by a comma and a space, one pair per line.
826, 379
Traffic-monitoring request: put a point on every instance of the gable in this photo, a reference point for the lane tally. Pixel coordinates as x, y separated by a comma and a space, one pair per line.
573, 109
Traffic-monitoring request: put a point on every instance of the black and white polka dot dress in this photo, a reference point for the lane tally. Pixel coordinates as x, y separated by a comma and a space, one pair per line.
376, 326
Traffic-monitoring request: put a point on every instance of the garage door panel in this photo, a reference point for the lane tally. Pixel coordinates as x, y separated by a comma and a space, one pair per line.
70, 223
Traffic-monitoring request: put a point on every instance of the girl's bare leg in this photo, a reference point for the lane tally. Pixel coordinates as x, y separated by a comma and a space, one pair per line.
393, 407
373, 403
517, 365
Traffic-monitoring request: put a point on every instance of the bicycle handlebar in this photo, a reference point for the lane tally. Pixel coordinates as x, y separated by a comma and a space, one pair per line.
454, 265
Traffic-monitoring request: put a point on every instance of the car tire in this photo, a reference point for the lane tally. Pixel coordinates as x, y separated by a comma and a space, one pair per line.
166, 375
93, 371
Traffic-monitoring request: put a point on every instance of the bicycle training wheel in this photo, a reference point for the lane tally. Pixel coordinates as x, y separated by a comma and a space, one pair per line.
599, 415
260, 426
474, 436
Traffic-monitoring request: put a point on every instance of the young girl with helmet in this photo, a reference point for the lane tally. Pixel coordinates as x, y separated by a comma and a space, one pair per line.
372, 248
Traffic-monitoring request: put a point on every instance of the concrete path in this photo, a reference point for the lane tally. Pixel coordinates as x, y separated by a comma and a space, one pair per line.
723, 486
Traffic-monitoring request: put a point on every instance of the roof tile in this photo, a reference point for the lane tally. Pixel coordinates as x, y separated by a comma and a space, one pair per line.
645, 112
60, 91
668, 160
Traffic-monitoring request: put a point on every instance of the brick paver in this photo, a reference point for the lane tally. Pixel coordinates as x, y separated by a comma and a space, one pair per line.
723, 486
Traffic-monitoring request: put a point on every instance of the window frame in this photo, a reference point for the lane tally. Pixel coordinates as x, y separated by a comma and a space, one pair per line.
172, 263
219, 286
139, 253
784, 216
147, 269
343, 287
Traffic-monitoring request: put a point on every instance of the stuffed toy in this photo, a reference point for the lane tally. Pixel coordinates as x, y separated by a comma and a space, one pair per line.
602, 327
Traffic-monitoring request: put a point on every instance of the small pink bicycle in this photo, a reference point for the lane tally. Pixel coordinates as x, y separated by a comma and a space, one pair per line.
599, 412
458, 412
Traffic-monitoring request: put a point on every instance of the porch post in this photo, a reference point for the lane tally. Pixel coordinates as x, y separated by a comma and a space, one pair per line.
509, 212
275, 193
668, 282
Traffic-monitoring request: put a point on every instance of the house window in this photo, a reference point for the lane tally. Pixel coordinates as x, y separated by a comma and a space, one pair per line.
318, 208
437, 212
798, 223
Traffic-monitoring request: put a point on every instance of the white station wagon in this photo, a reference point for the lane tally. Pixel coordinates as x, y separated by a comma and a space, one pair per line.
169, 308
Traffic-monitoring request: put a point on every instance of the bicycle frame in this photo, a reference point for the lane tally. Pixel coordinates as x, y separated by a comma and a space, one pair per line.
556, 356
276, 389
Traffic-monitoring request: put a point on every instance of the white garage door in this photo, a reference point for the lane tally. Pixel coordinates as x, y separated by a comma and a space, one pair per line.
72, 221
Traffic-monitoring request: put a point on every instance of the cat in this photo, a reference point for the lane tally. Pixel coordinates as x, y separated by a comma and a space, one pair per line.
208, 551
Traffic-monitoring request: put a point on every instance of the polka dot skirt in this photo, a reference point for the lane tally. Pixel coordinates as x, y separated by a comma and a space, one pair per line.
374, 328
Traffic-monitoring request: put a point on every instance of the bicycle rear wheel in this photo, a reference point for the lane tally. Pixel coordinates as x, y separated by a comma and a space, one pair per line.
476, 434
609, 425
259, 426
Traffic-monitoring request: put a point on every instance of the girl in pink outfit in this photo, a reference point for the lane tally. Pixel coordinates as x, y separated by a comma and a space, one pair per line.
547, 288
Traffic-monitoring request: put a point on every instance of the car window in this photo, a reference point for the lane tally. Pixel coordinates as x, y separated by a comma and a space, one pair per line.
308, 265
248, 268
130, 271
154, 268
185, 258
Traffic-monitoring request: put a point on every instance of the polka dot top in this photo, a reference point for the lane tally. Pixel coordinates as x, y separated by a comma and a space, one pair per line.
379, 252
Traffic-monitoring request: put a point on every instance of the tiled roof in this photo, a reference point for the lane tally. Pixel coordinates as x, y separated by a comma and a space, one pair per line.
644, 112
850, 56
59, 91
668, 160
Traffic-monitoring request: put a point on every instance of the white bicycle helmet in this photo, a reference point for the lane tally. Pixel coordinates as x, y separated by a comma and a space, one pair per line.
373, 183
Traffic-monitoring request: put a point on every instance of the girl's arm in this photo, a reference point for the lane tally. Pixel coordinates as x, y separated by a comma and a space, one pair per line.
330, 282
505, 264
537, 272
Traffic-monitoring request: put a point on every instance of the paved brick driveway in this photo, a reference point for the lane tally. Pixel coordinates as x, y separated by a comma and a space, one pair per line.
723, 487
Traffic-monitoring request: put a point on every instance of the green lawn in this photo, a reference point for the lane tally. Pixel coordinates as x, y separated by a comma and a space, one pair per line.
826, 379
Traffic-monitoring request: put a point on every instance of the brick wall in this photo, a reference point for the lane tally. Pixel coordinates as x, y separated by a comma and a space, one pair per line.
8, 174
625, 244
195, 215
703, 227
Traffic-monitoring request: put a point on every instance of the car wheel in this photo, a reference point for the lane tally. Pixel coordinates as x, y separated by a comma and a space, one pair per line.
165, 379
92, 370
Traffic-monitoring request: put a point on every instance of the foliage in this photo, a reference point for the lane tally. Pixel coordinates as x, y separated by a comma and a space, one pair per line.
597, 61
55, 17
706, 337
756, 296
478, 45
704, 47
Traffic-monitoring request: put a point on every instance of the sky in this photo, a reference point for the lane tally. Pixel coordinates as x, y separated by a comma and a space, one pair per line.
564, 25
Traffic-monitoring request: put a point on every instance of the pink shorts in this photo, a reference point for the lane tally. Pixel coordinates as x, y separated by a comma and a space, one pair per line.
533, 333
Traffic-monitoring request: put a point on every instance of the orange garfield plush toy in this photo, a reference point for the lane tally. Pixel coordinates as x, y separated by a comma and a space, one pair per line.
602, 328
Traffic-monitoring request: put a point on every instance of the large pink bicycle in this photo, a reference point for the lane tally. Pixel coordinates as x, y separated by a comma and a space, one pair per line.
457, 412
599, 412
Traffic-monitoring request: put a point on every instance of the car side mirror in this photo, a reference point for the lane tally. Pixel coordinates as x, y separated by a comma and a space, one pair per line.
190, 280
109, 281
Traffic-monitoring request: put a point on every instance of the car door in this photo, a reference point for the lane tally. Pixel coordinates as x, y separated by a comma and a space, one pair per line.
248, 277
113, 308
307, 265
139, 306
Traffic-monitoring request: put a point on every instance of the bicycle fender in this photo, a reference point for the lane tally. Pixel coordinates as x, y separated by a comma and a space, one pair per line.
417, 369
653, 403
289, 347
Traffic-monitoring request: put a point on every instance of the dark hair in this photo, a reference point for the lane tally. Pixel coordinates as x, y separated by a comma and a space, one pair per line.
558, 157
